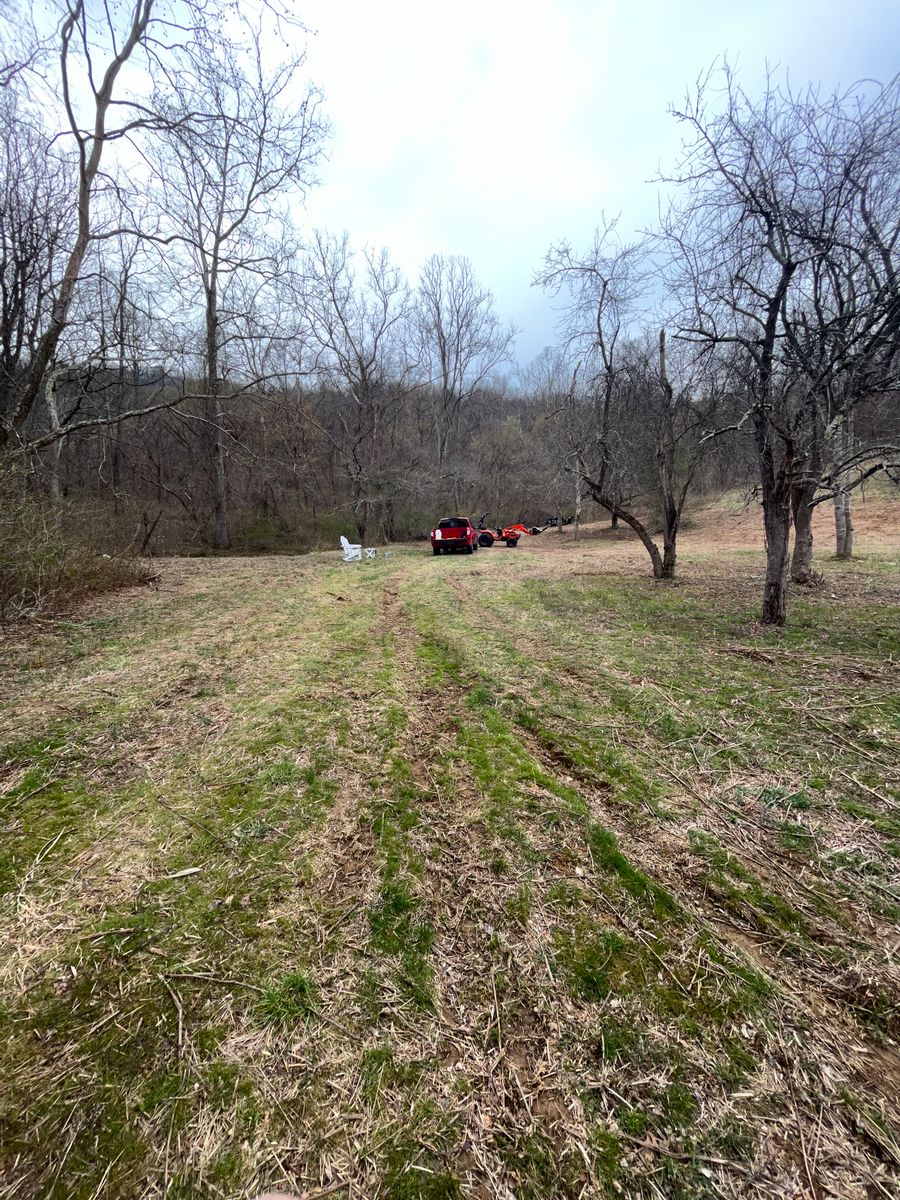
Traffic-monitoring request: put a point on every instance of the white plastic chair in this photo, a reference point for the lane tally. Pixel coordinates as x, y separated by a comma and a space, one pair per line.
351, 553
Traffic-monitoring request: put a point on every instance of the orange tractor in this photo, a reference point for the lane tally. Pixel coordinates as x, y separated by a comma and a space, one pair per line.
505, 533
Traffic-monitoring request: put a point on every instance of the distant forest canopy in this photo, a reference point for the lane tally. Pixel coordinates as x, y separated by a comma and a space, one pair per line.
183, 366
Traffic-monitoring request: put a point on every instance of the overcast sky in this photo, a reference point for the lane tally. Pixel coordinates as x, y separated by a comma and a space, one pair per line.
492, 128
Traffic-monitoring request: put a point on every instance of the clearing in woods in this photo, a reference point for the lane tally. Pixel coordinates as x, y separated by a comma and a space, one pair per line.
517, 875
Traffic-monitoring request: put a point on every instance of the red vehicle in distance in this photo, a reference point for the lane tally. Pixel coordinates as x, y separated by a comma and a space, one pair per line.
454, 535
504, 533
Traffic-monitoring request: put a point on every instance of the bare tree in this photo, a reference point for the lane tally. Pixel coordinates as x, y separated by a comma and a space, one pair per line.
757, 245
463, 341
842, 325
35, 233
82, 72
603, 291
738, 250
235, 142
95, 45
359, 329
642, 446
563, 421
642, 465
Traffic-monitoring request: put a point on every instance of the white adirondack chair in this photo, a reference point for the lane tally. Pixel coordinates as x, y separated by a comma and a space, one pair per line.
350, 553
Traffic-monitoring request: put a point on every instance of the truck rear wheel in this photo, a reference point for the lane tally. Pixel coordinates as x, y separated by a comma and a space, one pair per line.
435, 549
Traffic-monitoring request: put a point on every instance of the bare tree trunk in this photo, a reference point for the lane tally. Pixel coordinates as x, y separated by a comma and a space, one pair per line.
120, 387
843, 524
777, 523
775, 483
848, 526
840, 525
577, 505
221, 535
115, 469
361, 514
442, 438
221, 539
778, 528
802, 496
668, 559
149, 529
639, 528
388, 532
843, 518
55, 484
808, 473
665, 461
659, 566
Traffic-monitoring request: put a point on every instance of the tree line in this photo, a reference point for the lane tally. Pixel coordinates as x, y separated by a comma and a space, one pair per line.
190, 366
774, 278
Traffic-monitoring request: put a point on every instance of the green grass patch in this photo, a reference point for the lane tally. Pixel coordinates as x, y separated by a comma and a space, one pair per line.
292, 1000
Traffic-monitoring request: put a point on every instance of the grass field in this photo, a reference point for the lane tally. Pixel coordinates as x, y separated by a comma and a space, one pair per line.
516, 876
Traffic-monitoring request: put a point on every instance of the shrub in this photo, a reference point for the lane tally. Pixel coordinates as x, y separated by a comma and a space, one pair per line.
42, 565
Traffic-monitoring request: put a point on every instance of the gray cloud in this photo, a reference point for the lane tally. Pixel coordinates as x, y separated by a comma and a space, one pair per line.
494, 127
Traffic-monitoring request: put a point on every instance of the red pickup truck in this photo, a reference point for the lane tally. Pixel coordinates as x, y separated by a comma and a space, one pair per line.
454, 533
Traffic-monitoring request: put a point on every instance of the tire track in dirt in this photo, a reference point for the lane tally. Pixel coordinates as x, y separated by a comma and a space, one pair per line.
673, 863
281, 1068
504, 1039
871, 1068
542, 1089
117, 847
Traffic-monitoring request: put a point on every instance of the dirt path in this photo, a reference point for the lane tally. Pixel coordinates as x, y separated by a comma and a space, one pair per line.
515, 875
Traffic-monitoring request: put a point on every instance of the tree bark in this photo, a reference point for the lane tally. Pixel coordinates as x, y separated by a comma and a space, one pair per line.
221, 539
778, 531
665, 461
776, 496
55, 484
840, 526
221, 534
778, 527
848, 525
843, 518
668, 559
802, 495
843, 525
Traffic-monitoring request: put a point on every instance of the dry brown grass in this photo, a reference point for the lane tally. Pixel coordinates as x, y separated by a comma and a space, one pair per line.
311, 882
